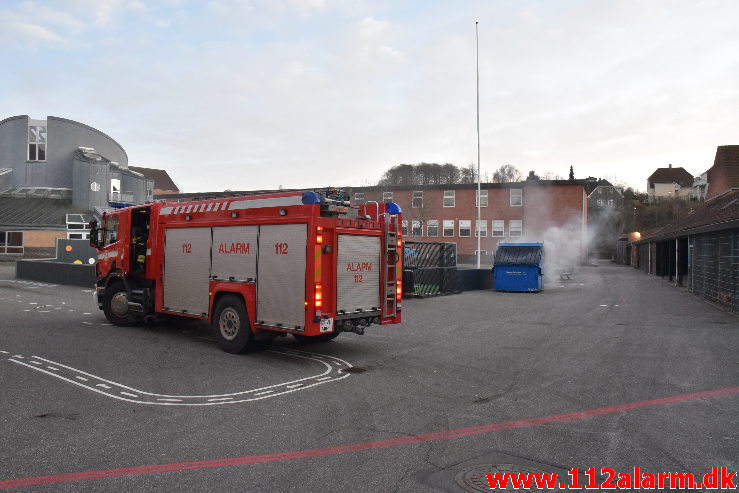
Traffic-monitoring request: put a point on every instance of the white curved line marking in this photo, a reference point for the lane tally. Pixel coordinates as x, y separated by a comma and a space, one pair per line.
196, 400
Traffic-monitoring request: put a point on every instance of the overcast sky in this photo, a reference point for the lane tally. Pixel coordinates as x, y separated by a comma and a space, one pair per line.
308, 93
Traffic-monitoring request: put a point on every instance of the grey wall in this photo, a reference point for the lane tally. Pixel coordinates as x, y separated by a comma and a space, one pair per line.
6, 179
13, 151
83, 175
63, 138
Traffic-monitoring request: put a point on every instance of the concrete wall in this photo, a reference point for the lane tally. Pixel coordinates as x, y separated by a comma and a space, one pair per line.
56, 273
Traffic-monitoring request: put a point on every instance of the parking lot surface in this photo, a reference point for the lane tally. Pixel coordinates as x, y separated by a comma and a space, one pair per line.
611, 368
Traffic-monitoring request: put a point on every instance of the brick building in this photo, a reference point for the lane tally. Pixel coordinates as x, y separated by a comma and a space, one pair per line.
553, 211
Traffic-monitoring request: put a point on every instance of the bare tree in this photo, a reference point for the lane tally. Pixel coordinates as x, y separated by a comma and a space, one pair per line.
507, 173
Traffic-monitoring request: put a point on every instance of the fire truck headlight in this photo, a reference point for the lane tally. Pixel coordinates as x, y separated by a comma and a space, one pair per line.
282, 212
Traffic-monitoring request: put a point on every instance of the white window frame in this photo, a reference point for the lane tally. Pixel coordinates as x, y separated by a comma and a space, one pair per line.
4, 245
359, 198
482, 198
449, 198
481, 228
516, 197
37, 140
387, 197
501, 223
416, 228
447, 225
432, 225
466, 225
515, 226
405, 227
417, 196
482, 252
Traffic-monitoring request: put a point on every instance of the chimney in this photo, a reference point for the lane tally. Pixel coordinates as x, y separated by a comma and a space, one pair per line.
669, 166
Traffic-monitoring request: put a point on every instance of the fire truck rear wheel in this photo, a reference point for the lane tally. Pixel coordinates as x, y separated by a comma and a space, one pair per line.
115, 304
231, 325
319, 338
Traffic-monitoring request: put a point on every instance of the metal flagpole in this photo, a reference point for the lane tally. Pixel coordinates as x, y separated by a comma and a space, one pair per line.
477, 224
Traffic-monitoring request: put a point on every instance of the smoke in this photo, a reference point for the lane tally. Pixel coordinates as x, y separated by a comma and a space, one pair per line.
558, 224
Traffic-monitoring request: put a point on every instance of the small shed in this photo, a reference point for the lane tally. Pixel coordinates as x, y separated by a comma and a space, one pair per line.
517, 267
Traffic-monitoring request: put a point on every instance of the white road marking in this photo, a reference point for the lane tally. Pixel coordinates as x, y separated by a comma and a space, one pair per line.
88, 323
87, 313
119, 391
33, 303
18, 356
4, 352
603, 305
26, 310
43, 311
36, 362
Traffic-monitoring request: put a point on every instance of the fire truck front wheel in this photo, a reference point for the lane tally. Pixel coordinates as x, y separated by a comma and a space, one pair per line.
231, 325
115, 304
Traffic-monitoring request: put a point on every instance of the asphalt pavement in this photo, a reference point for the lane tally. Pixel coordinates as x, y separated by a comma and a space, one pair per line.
612, 368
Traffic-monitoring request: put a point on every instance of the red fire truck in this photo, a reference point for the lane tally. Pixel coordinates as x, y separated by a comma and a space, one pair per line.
255, 267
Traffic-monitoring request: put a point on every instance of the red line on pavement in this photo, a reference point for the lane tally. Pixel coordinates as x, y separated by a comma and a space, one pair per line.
355, 447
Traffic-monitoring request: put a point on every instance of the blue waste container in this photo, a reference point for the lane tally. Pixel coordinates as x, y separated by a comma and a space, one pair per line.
517, 267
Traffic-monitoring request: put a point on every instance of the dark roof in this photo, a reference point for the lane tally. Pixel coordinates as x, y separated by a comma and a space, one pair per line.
162, 181
671, 175
717, 214
35, 213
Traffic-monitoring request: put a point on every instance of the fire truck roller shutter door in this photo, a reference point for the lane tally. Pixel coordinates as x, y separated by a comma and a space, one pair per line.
186, 269
235, 253
358, 273
281, 275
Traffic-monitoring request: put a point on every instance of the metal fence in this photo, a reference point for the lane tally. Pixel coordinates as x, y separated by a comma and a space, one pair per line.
430, 268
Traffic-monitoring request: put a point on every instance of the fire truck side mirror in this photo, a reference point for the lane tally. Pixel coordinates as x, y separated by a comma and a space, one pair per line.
94, 242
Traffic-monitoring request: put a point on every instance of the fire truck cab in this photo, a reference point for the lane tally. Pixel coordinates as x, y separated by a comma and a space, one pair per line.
254, 267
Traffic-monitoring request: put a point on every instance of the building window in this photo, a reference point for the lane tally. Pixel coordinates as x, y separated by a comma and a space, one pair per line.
515, 228
465, 225
498, 227
516, 197
405, 227
11, 241
416, 228
387, 197
36, 143
448, 198
432, 228
417, 201
448, 228
481, 199
481, 228
359, 198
